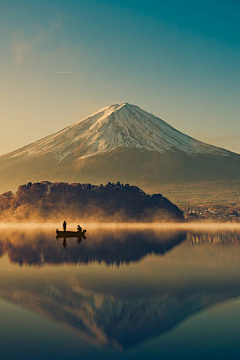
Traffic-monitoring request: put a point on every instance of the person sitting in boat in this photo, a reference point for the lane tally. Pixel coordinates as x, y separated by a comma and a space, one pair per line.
64, 225
79, 228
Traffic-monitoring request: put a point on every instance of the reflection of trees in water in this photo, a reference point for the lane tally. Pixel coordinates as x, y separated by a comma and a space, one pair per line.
1, 249
220, 237
109, 247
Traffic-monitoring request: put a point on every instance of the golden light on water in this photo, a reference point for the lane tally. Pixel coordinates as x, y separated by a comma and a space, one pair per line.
211, 226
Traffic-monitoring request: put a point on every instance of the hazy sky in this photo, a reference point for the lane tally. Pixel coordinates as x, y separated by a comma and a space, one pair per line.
61, 60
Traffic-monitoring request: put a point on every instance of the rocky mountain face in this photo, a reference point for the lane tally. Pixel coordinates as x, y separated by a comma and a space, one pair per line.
120, 143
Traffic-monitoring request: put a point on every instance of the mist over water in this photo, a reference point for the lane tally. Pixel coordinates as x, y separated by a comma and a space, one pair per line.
209, 226
131, 287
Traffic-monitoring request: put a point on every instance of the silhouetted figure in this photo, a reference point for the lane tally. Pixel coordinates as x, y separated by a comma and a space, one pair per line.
64, 225
79, 228
64, 243
79, 239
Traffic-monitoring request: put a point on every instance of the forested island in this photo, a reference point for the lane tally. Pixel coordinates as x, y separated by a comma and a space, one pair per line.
47, 201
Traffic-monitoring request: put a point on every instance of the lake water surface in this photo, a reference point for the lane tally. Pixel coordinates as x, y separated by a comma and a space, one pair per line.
125, 292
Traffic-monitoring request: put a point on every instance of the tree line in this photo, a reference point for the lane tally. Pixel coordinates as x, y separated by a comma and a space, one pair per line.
111, 202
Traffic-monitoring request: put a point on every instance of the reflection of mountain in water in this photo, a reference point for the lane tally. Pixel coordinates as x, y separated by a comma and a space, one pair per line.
124, 318
111, 248
115, 321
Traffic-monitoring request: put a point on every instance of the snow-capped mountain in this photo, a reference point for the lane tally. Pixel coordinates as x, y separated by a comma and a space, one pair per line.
113, 127
119, 142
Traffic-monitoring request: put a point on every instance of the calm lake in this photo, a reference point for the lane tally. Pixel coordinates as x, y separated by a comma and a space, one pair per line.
122, 293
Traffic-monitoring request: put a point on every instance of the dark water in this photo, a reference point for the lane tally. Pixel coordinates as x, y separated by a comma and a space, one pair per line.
122, 294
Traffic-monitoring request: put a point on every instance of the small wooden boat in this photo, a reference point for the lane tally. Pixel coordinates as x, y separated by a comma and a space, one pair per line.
76, 234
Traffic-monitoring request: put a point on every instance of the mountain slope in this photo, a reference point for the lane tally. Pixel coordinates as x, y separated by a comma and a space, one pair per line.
119, 142
116, 126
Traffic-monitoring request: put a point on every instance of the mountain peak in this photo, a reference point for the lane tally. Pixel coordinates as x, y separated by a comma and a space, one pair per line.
117, 126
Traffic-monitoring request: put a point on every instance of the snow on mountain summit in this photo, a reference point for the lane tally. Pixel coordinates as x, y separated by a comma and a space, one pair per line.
117, 126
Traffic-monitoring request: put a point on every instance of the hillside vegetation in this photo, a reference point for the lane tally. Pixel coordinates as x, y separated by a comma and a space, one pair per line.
46, 201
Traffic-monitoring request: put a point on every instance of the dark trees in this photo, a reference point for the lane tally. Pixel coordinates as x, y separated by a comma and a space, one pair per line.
112, 202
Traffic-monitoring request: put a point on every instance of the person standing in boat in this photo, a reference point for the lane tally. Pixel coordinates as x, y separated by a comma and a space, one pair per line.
64, 225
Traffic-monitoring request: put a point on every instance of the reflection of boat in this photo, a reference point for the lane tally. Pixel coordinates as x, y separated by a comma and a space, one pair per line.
75, 234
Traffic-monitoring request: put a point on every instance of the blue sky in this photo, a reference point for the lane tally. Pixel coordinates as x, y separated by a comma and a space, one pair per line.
62, 60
